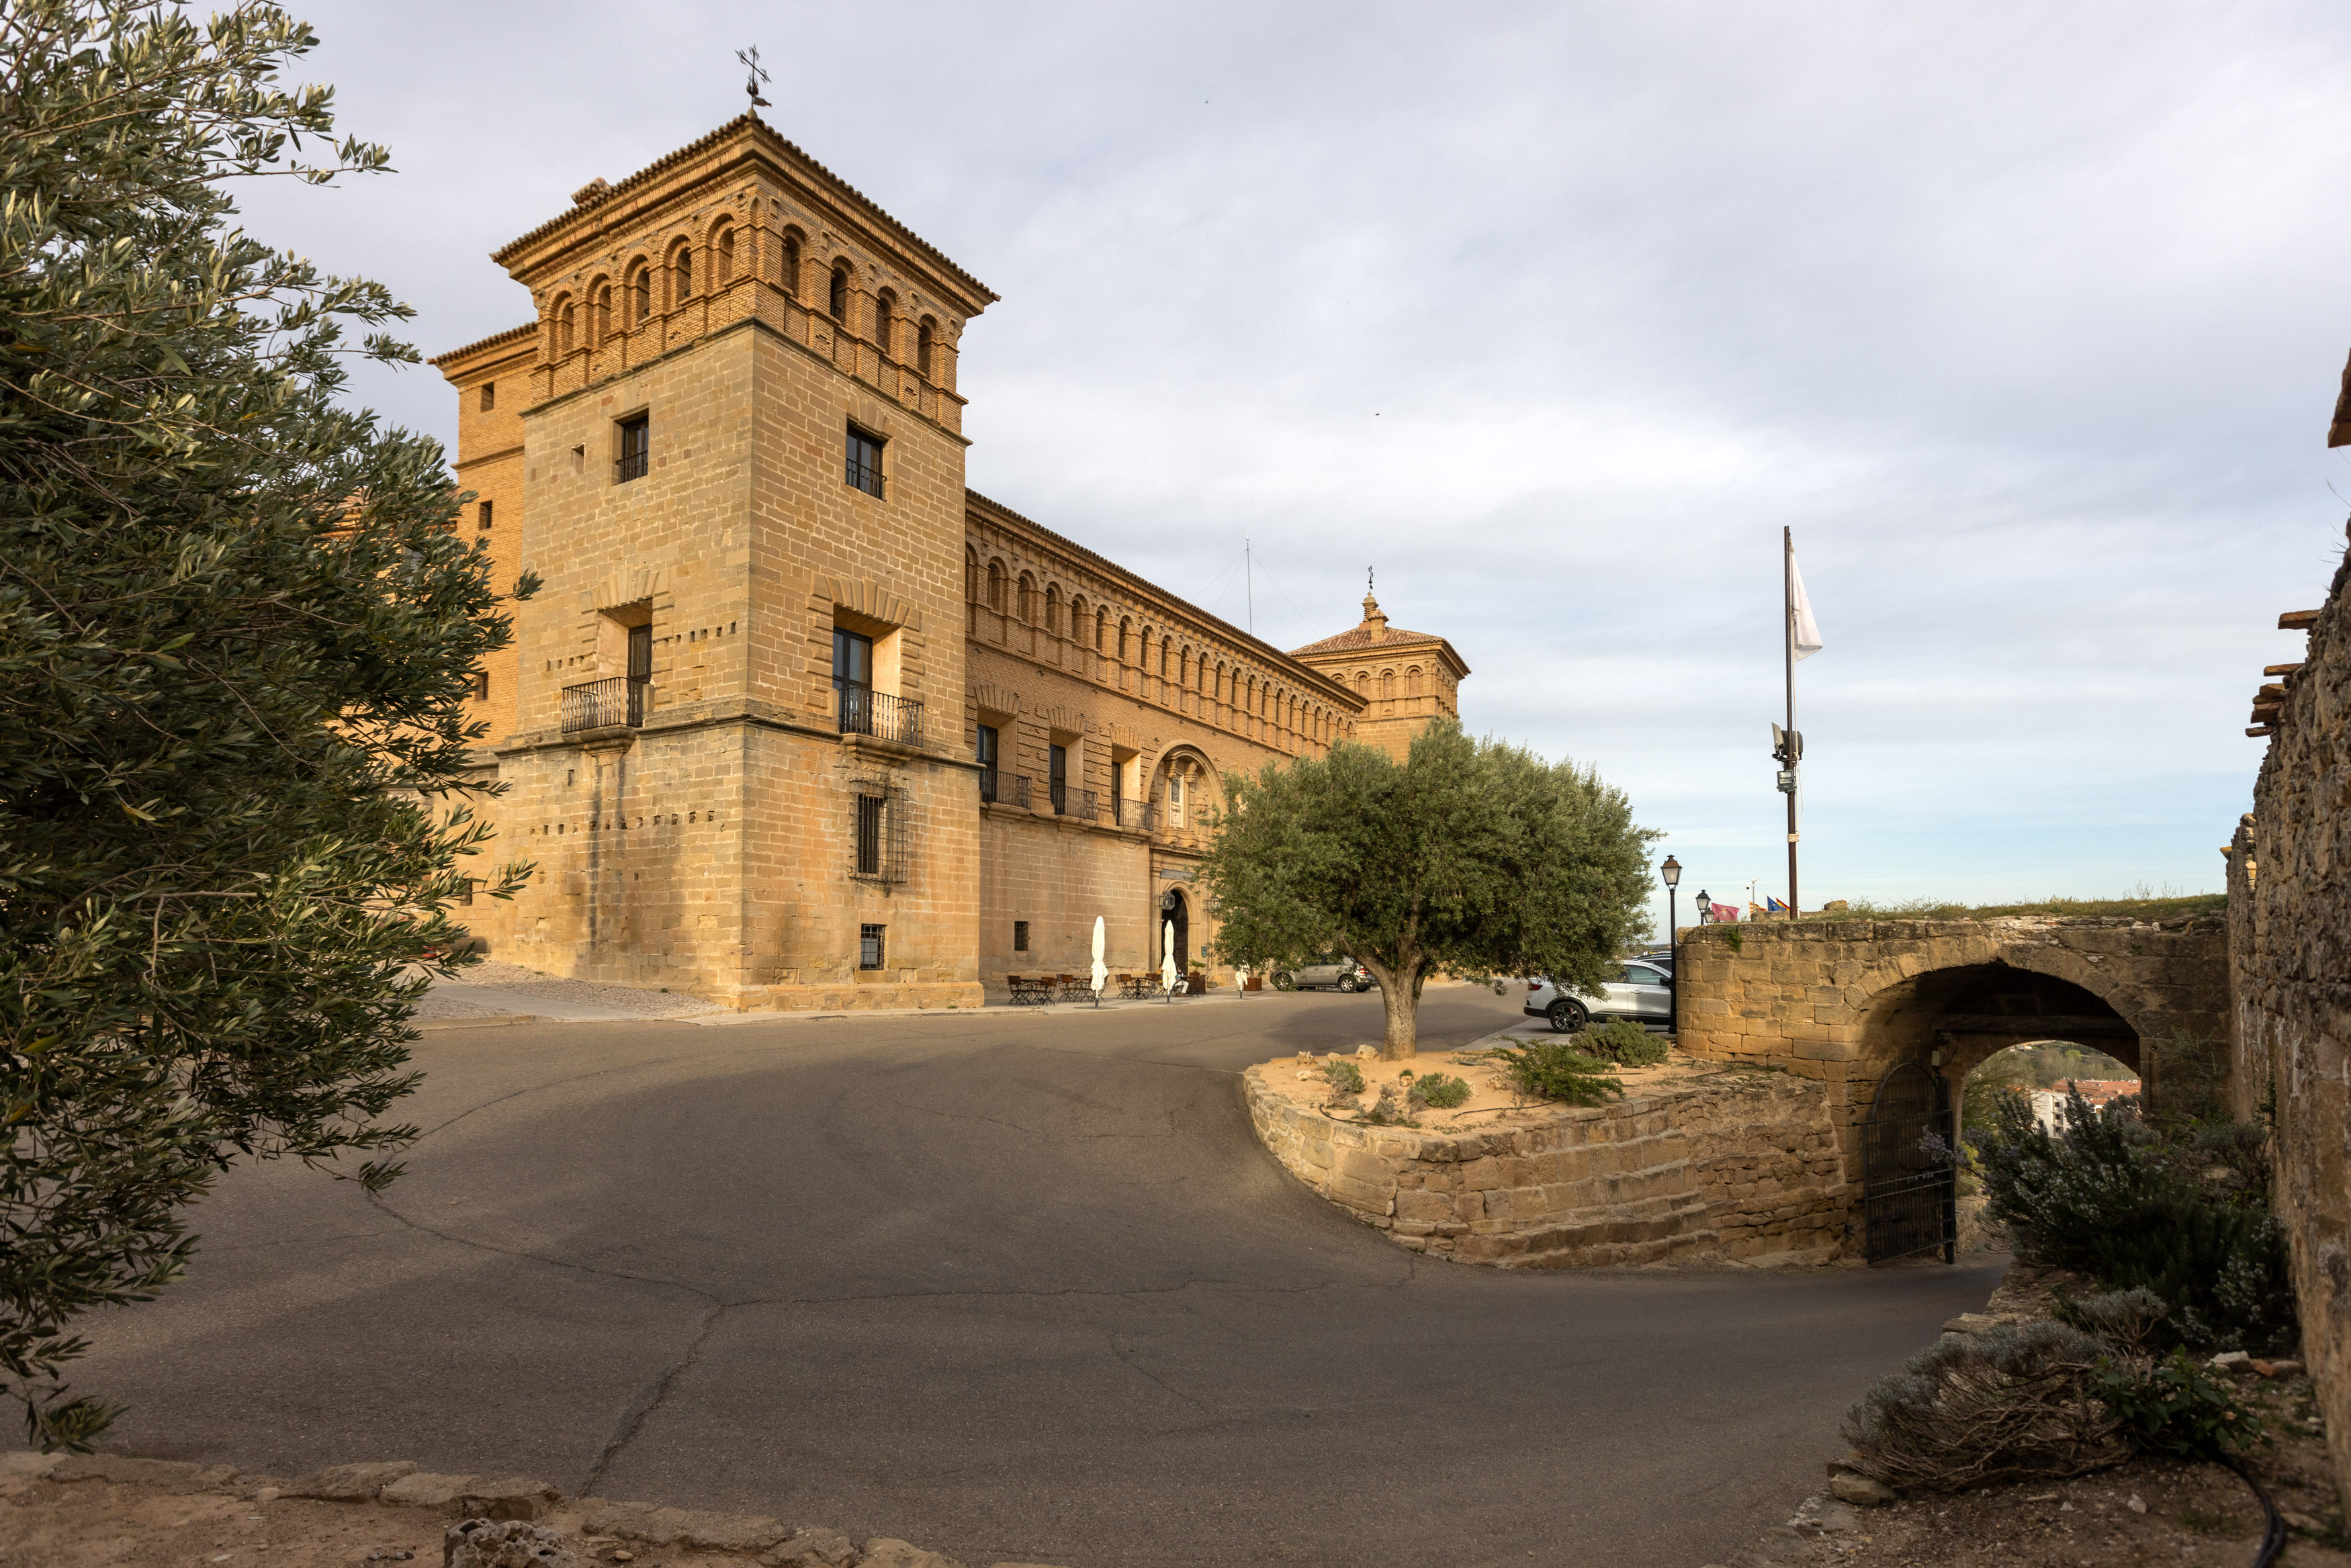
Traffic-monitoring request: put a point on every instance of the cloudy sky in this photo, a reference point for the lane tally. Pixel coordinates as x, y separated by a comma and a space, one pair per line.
2027, 320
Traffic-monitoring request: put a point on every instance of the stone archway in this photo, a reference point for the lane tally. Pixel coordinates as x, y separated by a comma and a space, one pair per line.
1175, 909
1840, 1001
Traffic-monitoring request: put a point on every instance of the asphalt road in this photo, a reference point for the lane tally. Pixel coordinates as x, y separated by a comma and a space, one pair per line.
1015, 1288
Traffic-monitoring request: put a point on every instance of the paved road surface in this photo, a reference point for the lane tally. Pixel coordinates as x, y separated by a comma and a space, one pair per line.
1009, 1287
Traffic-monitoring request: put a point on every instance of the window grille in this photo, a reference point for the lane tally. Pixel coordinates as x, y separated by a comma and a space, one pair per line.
636, 449
1019, 936
880, 850
870, 950
865, 461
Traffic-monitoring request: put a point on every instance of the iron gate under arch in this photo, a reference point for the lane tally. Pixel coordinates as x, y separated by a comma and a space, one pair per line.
1908, 1195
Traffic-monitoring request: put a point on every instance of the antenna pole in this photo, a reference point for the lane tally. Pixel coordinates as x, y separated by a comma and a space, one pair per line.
1249, 575
1788, 638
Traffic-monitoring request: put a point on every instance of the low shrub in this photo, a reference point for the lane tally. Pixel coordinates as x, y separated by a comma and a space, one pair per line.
2117, 1197
1443, 1091
2131, 1321
1344, 1077
2009, 1403
2177, 1406
1622, 1041
1554, 1069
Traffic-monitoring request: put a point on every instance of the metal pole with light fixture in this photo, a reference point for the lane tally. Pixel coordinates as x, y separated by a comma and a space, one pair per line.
1672, 872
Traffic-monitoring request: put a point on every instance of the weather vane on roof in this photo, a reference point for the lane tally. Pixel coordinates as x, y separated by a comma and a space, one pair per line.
1367, 579
751, 57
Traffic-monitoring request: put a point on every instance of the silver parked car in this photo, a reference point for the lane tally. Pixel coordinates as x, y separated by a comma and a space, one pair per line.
1335, 970
1641, 991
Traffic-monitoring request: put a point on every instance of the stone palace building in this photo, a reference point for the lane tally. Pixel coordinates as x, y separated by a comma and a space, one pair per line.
798, 719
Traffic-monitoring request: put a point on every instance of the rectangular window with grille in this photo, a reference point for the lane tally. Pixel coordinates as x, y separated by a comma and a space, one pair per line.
864, 466
871, 810
636, 449
880, 835
869, 952
1019, 936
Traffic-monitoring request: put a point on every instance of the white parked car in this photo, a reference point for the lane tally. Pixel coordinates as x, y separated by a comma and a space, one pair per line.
1641, 991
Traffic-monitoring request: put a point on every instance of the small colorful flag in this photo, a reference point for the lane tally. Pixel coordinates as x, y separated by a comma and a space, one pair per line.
1725, 912
1772, 906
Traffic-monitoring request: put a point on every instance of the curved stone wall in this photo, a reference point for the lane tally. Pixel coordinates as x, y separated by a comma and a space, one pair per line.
1742, 1167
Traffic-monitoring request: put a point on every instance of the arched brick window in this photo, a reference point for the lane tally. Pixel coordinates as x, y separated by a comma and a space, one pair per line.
838, 304
681, 273
1387, 685
724, 270
1101, 629
970, 578
792, 265
885, 314
1126, 627
1076, 618
565, 327
1027, 597
1412, 681
926, 333
996, 586
641, 291
1052, 609
600, 314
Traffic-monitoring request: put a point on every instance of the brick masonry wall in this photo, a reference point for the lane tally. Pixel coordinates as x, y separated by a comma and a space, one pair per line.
2290, 957
1743, 1168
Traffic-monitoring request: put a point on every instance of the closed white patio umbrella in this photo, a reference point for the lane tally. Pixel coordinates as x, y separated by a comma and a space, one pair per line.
1167, 956
1101, 975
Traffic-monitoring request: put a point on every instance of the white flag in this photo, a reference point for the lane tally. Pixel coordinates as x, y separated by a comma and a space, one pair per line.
1804, 632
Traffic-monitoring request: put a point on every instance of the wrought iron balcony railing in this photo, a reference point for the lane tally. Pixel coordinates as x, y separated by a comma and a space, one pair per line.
1129, 813
610, 704
1003, 789
632, 465
880, 715
1077, 803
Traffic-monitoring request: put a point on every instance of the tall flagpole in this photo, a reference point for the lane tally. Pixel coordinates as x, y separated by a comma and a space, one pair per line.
1788, 630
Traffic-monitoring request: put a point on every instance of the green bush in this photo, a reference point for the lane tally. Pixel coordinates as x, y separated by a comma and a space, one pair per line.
2113, 1195
1344, 1077
1443, 1091
1554, 1069
2176, 1407
1622, 1041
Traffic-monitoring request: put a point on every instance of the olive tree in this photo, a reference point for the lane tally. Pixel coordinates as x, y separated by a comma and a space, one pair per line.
237, 630
1473, 856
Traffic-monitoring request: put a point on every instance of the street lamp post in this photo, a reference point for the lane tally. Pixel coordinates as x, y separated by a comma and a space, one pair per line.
1672, 872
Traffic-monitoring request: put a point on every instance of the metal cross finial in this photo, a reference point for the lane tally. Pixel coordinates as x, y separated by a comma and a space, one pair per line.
751, 57
1368, 576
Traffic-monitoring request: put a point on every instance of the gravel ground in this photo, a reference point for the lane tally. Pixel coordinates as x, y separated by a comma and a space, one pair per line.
448, 999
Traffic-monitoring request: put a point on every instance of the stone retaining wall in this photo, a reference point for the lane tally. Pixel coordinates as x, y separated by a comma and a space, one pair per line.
1741, 1166
2290, 962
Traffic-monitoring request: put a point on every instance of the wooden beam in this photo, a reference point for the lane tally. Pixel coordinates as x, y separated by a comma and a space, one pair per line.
2296, 620
2279, 669
2262, 730
2271, 689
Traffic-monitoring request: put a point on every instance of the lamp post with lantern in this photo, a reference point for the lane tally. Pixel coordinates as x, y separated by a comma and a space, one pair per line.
1672, 872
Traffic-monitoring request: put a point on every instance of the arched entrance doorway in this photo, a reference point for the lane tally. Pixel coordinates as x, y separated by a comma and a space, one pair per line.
1921, 1039
1173, 910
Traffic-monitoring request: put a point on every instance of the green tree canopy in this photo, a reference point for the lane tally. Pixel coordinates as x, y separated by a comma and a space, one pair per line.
237, 633
1473, 856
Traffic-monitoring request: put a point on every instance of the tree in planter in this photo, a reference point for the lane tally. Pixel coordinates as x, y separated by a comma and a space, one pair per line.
1471, 855
236, 636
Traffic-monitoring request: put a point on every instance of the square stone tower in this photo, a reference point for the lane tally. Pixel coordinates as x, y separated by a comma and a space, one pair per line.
1405, 679
731, 725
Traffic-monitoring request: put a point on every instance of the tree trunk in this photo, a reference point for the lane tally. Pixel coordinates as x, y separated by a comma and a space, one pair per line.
1400, 995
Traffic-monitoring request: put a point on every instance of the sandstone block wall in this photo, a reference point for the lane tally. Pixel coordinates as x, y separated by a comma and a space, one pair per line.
1841, 1001
1744, 1166
2289, 954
